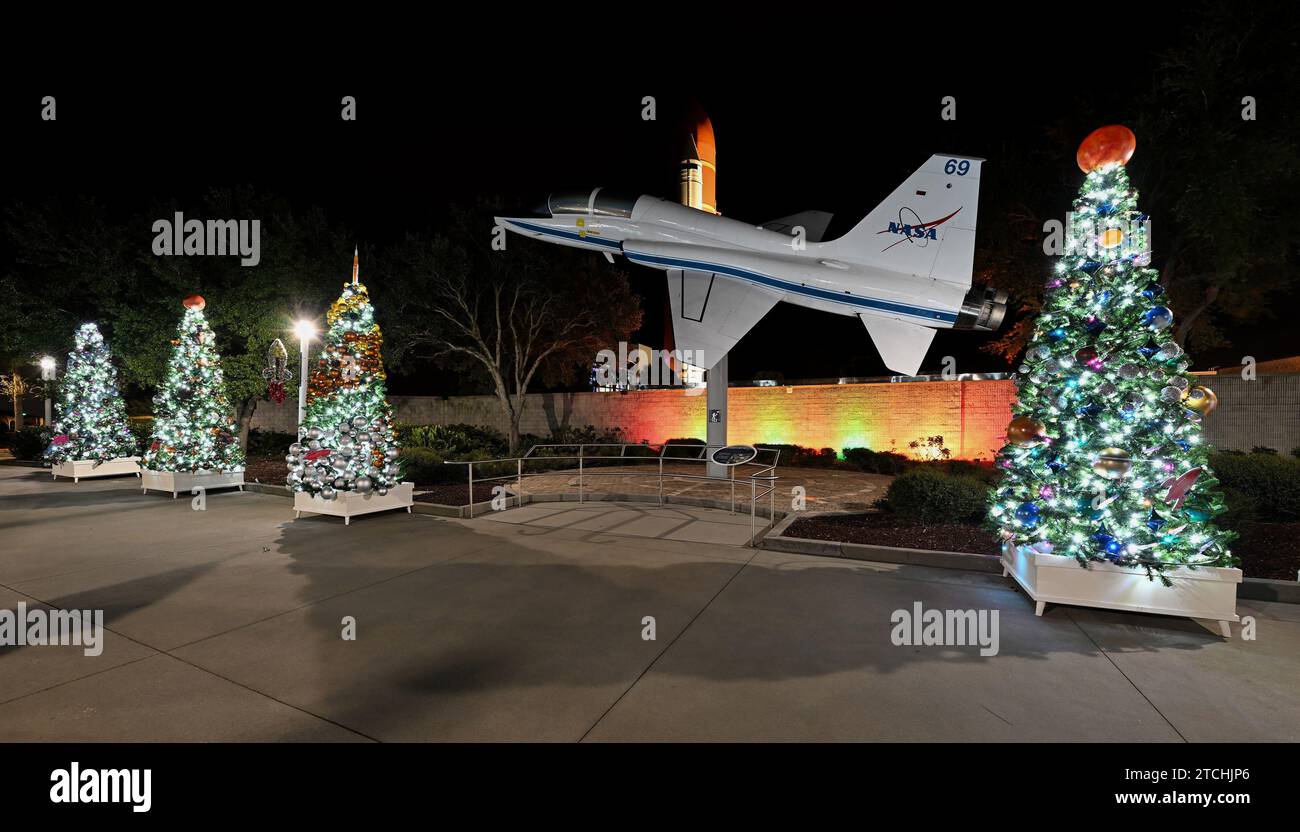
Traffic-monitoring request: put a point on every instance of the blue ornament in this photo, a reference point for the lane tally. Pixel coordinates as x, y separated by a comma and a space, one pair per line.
1114, 547
1090, 266
1094, 325
1150, 348
1056, 334
1184, 444
1089, 410
1158, 317
1155, 521
1104, 297
1029, 514
1153, 292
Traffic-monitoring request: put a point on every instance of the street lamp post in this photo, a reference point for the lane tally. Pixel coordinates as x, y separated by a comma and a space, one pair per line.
49, 372
305, 330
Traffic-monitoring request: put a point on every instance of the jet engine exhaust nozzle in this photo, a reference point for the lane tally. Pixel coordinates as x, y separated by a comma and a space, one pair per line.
982, 309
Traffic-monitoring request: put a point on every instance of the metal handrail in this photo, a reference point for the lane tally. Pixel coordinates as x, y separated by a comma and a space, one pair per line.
766, 472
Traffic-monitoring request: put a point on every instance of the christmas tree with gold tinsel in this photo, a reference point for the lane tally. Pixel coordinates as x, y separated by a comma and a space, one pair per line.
1104, 460
347, 442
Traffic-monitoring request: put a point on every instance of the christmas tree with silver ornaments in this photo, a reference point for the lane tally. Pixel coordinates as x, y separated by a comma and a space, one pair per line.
347, 442
91, 423
1104, 459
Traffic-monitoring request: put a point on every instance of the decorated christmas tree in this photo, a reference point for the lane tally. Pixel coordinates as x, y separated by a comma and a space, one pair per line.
193, 425
347, 442
91, 423
1104, 459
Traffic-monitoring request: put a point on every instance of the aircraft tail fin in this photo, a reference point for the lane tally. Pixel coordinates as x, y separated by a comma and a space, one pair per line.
927, 225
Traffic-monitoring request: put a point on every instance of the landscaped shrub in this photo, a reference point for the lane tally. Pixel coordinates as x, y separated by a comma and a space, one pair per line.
985, 472
1270, 481
454, 441
1242, 513
877, 462
695, 452
268, 443
798, 456
927, 495
27, 443
143, 430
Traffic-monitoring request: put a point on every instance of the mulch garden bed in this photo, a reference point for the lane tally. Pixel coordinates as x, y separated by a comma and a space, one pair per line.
453, 495
879, 529
1269, 550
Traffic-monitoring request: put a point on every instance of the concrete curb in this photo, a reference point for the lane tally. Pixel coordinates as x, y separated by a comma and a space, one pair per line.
1251, 589
883, 554
1269, 589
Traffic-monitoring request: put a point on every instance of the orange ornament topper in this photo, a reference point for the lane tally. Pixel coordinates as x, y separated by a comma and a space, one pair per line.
1112, 144
194, 302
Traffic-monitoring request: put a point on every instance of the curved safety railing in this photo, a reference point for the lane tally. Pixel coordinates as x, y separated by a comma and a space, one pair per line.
759, 473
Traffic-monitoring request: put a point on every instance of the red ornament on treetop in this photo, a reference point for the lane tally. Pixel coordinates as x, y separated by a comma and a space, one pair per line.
194, 302
1112, 144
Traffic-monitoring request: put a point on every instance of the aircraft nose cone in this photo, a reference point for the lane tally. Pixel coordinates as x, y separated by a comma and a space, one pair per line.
541, 208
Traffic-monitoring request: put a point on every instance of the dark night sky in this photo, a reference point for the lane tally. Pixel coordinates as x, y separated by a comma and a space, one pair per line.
833, 128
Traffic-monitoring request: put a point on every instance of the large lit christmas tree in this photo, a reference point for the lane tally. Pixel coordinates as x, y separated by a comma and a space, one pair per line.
194, 424
91, 423
1104, 460
347, 442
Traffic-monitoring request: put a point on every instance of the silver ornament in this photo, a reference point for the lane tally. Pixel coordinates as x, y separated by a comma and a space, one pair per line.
1171, 394
358, 422
314, 433
1178, 381
381, 491
391, 453
291, 459
328, 493
1129, 371
363, 485
340, 483
295, 448
372, 472
1107, 389
363, 437
314, 444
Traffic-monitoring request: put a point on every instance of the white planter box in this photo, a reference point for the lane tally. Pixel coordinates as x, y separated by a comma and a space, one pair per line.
183, 481
349, 504
1208, 593
79, 468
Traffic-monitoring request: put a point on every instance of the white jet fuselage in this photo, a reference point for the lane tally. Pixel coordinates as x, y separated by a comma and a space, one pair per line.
667, 236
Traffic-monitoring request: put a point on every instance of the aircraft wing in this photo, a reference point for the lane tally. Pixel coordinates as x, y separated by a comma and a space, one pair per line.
711, 313
902, 345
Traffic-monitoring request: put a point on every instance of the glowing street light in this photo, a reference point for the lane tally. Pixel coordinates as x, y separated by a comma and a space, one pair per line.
305, 330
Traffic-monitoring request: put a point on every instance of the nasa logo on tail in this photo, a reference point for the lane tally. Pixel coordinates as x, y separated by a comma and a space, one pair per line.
915, 230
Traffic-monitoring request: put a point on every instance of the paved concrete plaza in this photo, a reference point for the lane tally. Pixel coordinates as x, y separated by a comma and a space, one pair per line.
225, 624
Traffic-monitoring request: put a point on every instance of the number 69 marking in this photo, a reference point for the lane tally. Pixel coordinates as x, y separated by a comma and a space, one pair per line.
960, 168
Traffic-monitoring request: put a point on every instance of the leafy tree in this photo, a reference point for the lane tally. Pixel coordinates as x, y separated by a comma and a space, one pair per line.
1225, 182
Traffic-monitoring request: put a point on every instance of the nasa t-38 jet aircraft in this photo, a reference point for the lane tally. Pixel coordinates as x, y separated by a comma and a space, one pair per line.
904, 270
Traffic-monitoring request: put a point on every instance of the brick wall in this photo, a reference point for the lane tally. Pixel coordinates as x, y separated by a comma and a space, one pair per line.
970, 415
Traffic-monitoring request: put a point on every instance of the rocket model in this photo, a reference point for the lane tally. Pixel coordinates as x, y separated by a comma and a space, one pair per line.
699, 170
904, 270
